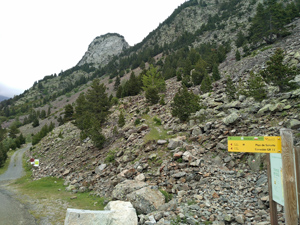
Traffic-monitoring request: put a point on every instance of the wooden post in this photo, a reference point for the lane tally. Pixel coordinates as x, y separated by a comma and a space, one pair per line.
297, 161
289, 177
273, 204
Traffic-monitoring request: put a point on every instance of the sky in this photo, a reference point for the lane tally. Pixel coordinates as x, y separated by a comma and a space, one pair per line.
43, 37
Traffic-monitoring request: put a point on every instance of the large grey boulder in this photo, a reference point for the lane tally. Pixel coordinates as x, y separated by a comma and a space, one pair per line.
100, 168
264, 109
277, 107
297, 79
122, 189
293, 124
232, 118
174, 143
146, 200
124, 212
115, 213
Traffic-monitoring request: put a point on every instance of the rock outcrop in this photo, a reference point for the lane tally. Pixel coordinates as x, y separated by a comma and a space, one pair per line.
115, 213
103, 48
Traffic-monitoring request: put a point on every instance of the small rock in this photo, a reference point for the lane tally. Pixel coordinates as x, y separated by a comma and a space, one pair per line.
161, 142
240, 219
179, 175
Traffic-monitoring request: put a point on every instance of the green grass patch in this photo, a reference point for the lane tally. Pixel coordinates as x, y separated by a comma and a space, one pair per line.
6, 164
51, 190
156, 131
168, 196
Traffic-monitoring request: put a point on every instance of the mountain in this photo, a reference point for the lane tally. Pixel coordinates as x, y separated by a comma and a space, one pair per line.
102, 49
155, 117
2, 98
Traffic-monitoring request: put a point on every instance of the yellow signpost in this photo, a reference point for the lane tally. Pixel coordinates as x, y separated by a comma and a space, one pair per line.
258, 144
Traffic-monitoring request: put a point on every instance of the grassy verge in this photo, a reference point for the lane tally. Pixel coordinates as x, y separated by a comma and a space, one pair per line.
4, 168
51, 198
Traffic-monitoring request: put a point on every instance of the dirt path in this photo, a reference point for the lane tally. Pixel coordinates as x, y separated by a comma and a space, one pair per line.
15, 168
11, 210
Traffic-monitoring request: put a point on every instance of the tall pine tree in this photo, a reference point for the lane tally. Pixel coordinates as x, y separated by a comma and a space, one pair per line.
279, 74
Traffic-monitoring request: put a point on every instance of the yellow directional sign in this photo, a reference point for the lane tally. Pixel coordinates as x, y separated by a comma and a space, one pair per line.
259, 144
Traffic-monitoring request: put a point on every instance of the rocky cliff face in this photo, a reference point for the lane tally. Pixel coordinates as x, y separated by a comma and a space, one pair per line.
103, 48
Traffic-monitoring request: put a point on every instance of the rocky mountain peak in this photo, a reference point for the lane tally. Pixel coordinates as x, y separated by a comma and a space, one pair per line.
103, 48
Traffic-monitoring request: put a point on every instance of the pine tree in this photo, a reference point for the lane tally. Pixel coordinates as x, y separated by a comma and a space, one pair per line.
121, 121
2, 133
132, 86
240, 39
153, 83
3, 155
49, 112
184, 103
151, 95
43, 114
35, 122
117, 83
279, 74
68, 114
119, 92
206, 84
98, 102
237, 55
13, 131
230, 89
215, 72
200, 72
268, 22
256, 87
92, 110
153, 78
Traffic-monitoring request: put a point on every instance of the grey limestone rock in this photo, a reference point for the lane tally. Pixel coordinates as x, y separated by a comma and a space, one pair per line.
103, 48
115, 213
146, 200
293, 124
231, 119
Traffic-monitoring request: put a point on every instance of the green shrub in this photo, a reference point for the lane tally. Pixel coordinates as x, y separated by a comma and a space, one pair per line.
110, 157
168, 196
184, 103
157, 121
137, 121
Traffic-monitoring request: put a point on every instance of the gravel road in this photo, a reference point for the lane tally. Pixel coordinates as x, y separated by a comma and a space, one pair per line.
12, 212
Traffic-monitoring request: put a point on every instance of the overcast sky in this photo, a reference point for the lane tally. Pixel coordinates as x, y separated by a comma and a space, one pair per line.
39, 38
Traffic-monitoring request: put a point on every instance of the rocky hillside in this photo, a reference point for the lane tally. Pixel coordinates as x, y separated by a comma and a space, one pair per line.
173, 172
187, 162
102, 49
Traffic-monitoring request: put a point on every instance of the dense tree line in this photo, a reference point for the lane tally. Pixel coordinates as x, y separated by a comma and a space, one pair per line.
42, 133
10, 139
270, 19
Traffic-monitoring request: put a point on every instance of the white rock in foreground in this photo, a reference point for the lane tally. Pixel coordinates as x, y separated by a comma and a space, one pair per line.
115, 213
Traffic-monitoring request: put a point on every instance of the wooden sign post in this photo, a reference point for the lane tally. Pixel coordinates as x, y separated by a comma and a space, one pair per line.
276, 144
273, 204
289, 177
297, 161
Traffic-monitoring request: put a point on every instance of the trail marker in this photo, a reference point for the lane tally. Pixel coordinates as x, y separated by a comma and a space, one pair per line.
36, 163
256, 144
